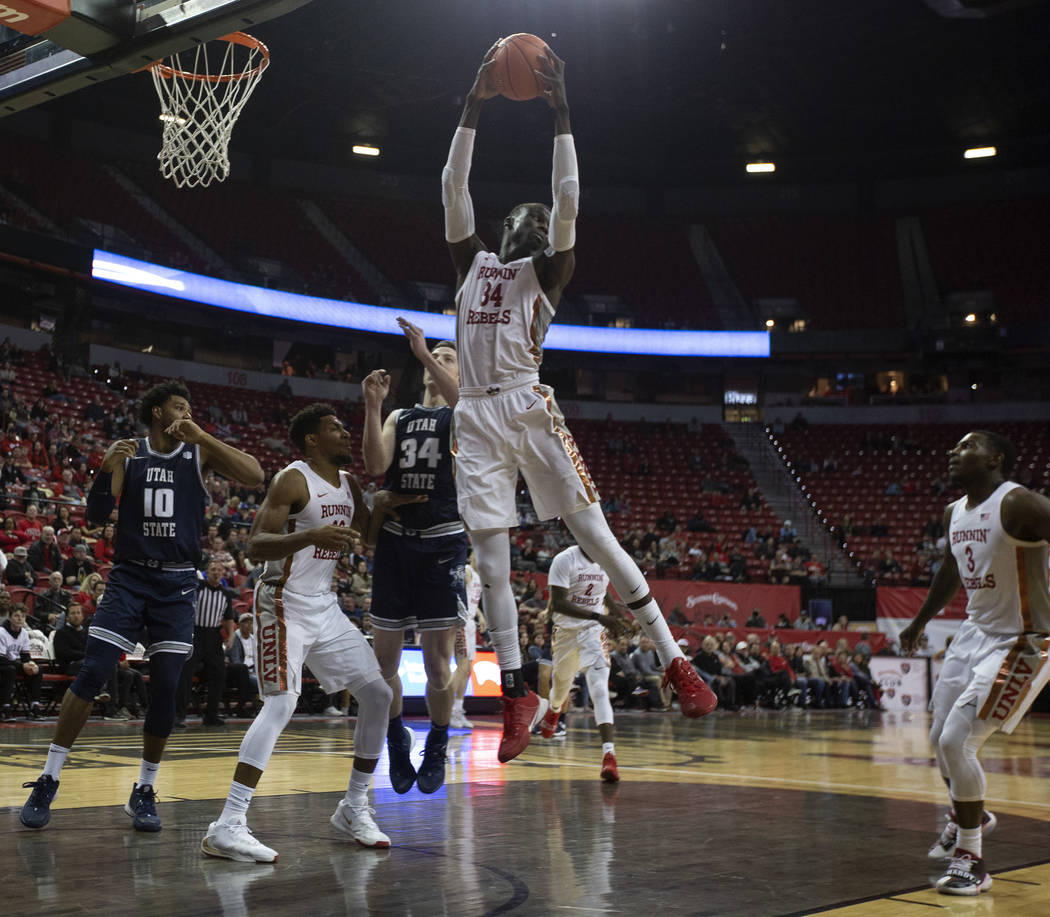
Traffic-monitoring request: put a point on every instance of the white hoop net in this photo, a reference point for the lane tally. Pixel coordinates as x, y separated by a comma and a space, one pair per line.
201, 94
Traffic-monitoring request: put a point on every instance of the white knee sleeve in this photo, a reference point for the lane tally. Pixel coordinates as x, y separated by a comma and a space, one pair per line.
935, 742
961, 739
262, 735
598, 685
492, 556
592, 533
373, 712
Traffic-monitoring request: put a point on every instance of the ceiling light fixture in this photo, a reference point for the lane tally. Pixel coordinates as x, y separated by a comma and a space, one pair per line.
979, 152
754, 167
364, 149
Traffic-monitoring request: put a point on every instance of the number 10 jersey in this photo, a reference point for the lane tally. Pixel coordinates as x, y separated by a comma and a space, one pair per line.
162, 505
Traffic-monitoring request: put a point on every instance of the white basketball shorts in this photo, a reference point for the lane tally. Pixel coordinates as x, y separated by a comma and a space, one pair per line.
296, 630
521, 429
1002, 674
577, 649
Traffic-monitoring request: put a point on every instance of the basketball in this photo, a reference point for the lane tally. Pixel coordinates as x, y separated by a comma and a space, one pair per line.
513, 64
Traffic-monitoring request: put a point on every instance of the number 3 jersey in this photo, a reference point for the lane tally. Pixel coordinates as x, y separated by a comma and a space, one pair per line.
502, 316
309, 570
162, 506
1005, 579
423, 465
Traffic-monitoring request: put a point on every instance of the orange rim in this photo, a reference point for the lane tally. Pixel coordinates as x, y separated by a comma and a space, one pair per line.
234, 38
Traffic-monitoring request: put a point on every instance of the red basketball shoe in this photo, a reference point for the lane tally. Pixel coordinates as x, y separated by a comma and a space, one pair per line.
520, 714
549, 723
694, 697
610, 774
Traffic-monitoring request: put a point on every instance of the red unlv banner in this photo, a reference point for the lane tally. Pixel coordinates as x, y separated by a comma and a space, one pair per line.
904, 602
696, 599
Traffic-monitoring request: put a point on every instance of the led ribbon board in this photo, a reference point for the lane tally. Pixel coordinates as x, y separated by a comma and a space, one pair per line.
241, 297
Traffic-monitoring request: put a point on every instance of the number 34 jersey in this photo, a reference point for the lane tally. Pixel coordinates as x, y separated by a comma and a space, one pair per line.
502, 316
423, 465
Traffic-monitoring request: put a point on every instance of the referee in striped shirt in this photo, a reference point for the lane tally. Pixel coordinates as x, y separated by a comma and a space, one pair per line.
214, 609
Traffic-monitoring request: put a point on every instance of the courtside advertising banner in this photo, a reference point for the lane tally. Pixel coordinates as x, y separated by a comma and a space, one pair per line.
902, 682
484, 678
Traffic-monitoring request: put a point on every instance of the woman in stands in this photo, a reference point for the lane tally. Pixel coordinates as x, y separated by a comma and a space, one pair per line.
10, 537
38, 456
105, 549
87, 590
62, 519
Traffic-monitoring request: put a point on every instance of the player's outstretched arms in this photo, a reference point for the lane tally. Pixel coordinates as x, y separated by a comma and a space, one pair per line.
447, 384
217, 455
556, 264
377, 438
463, 241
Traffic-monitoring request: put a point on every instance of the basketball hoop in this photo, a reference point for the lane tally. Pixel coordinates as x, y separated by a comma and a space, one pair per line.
200, 101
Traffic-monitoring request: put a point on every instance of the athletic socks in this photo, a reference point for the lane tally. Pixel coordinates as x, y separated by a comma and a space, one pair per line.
148, 773
56, 757
236, 808
395, 730
654, 626
505, 643
607, 748
969, 839
357, 791
512, 683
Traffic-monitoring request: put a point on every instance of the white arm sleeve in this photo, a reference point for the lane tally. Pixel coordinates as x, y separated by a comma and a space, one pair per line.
459, 209
565, 183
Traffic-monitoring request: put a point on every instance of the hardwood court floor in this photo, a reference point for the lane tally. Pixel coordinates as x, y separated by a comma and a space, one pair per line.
784, 813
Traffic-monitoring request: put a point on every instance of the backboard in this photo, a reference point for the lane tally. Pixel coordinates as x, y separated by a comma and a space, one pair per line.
77, 43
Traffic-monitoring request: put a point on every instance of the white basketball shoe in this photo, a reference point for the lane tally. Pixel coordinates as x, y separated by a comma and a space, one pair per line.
235, 841
359, 823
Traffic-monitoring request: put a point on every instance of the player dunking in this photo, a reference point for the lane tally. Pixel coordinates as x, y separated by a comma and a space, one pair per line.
997, 662
507, 421
310, 517
578, 592
417, 579
153, 583
467, 643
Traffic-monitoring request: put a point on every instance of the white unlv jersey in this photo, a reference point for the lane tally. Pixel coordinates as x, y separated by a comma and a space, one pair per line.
309, 571
585, 582
502, 315
1005, 579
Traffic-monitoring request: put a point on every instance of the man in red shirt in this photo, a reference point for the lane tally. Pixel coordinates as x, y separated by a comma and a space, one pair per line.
32, 525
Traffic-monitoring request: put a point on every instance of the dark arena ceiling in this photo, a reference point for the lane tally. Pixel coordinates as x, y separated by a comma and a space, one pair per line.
664, 93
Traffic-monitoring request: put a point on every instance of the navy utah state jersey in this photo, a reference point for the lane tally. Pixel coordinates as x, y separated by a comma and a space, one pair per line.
162, 506
423, 465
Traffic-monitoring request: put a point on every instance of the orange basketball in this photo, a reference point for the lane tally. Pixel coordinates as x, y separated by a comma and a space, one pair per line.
513, 64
